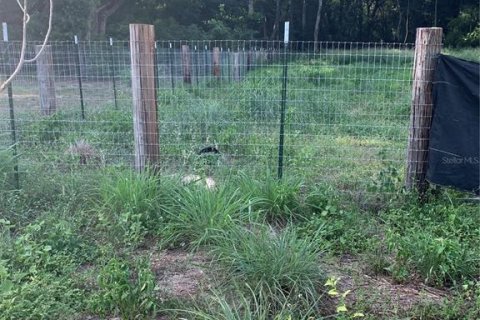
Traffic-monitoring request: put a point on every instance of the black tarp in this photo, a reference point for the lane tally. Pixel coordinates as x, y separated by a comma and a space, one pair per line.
454, 156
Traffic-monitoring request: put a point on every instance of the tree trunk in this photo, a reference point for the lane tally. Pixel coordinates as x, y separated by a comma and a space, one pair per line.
289, 11
276, 24
251, 9
101, 15
304, 16
360, 20
317, 24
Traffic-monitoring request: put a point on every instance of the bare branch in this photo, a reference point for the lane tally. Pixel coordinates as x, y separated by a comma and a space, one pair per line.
22, 60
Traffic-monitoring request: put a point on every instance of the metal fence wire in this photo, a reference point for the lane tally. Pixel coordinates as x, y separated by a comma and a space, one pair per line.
345, 109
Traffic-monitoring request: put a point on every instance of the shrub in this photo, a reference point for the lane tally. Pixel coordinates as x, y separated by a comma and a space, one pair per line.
34, 275
125, 292
41, 297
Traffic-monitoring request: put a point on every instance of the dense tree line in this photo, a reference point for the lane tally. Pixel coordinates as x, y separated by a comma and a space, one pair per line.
342, 20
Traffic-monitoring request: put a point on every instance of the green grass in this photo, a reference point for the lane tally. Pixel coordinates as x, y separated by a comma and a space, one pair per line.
277, 266
471, 54
133, 206
200, 215
439, 241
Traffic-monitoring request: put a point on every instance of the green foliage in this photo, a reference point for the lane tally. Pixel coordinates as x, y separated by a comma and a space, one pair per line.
233, 24
338, 231
202, 214
389, 20
116, 126
464, 30
35, 272
48, 130
438, 241
278, 200
124, 291
33, 252
7, 163
133, 205
388, 179
44, 296
334, 228
276, 265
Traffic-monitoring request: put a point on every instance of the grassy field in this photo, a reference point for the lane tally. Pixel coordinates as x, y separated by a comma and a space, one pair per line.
338, 237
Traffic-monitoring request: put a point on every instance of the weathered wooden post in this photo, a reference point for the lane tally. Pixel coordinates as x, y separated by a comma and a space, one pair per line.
428, 46
145, 125
46, 81
187, 68
249, 60
236, 66
217, 72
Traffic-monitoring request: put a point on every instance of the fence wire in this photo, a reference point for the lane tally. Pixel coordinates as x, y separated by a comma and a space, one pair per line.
347, 109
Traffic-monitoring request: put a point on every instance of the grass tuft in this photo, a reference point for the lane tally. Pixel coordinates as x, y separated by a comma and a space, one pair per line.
201, 214
277, 265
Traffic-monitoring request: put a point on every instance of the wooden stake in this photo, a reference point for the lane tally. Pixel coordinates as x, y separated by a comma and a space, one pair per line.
249, 60
217, 71
428, 46
142, 48
236, 66
46, 81
187, 68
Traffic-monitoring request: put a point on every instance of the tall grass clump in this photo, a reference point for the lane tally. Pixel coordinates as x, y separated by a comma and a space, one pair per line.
214, 306
133, 205
236, 304
278, 266
278, 200
201, 214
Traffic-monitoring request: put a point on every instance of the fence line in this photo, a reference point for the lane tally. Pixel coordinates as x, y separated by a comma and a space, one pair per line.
346, 109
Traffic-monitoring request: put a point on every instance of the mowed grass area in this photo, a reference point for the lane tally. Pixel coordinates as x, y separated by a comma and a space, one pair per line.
338, 237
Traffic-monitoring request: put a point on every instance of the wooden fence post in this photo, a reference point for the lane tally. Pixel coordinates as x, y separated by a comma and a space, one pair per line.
249, 60
428, 46
217, 72
236, 66
187, 68
142, 47
46, 81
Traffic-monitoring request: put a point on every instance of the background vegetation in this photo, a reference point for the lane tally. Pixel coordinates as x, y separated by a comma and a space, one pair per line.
335, 20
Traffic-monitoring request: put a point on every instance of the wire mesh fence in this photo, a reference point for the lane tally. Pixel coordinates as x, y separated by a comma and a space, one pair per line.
346, 109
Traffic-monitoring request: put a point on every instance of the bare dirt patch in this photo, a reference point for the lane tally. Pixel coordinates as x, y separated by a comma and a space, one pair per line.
180, 274
378, 294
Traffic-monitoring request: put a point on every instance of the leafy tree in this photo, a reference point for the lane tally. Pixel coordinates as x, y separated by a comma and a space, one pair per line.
337, 20
464, 30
